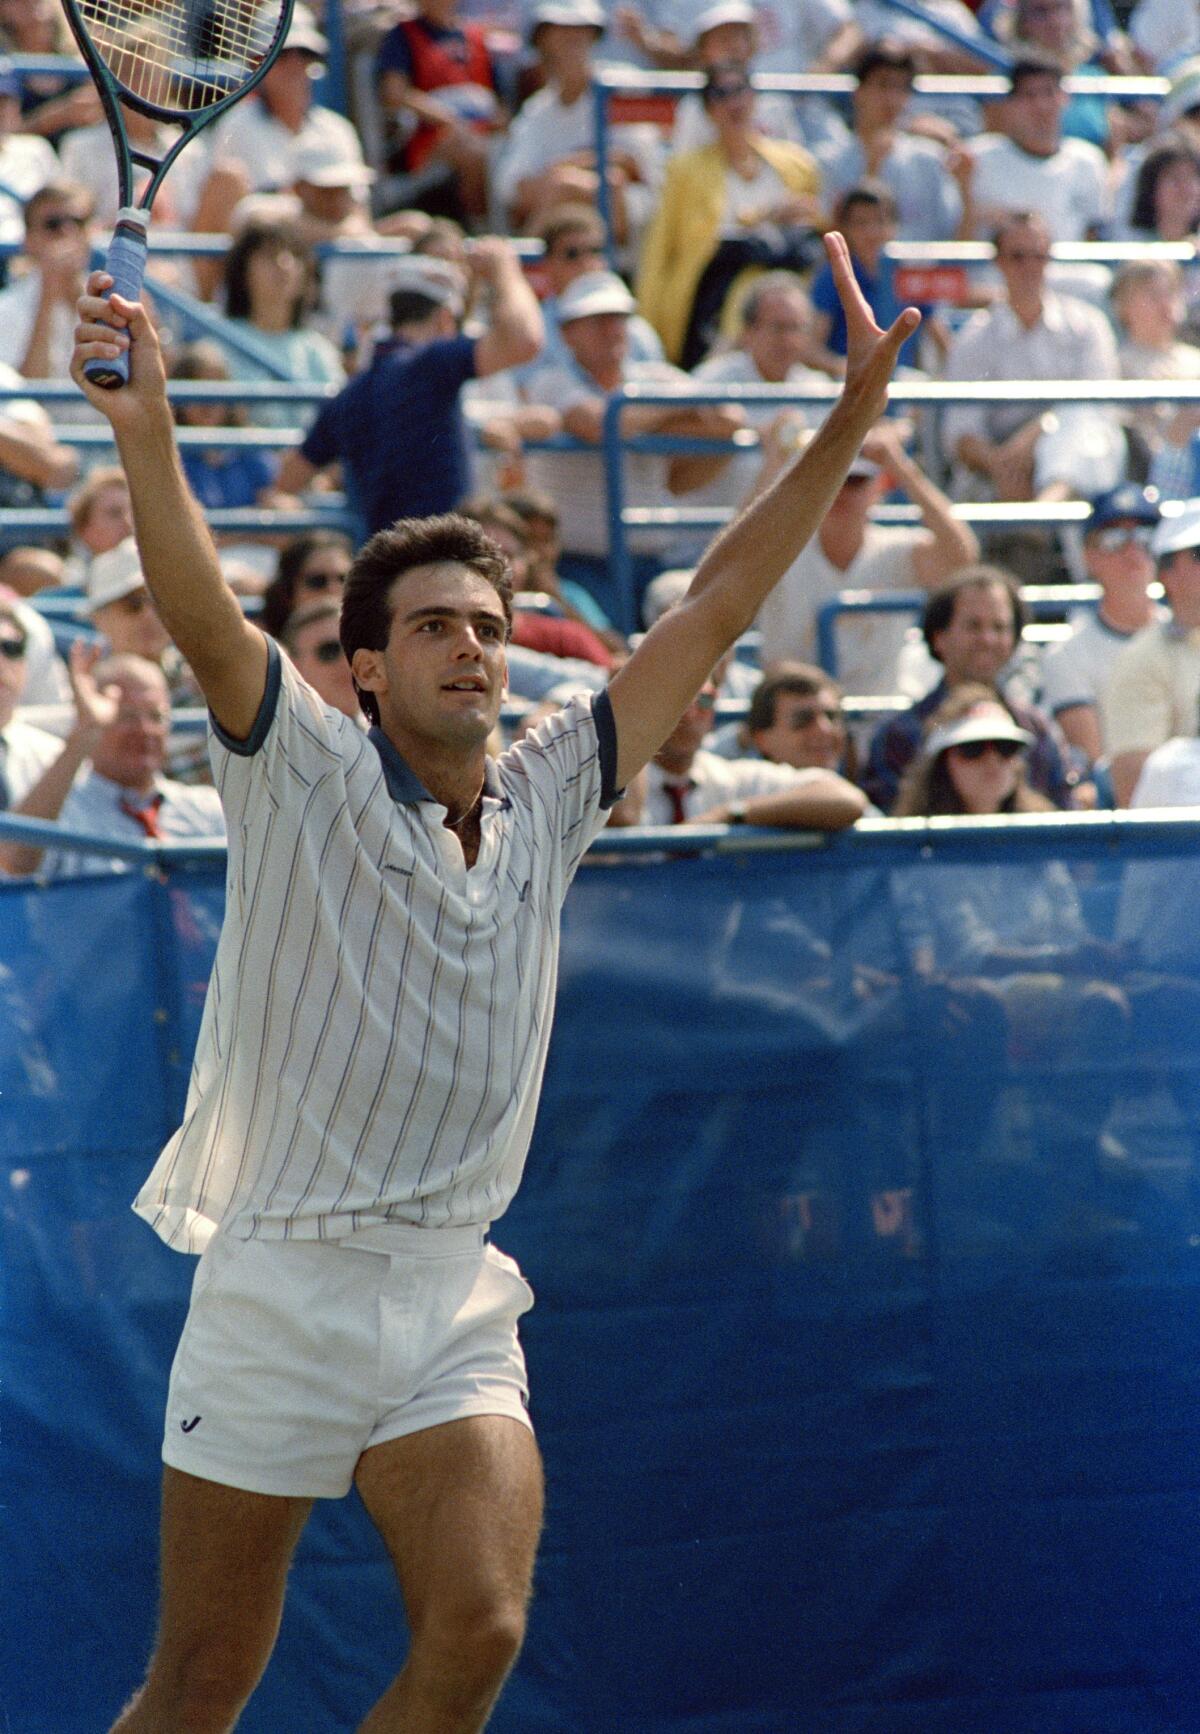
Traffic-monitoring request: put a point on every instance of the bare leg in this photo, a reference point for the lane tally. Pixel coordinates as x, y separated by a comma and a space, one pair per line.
460, 1509
225, 1556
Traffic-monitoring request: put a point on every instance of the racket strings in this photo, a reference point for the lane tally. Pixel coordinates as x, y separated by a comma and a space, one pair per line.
182, 55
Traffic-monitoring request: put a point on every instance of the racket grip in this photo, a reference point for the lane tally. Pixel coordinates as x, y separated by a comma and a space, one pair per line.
126, 265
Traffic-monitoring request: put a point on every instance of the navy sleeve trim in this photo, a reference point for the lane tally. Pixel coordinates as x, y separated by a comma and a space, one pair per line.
266, 710
606, 741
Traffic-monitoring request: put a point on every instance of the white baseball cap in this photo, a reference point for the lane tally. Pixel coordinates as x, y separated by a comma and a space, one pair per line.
323, 165
303, 33
723, 12
1180, 530
113, 575
437, 279
594, 292
580, 14
983, 722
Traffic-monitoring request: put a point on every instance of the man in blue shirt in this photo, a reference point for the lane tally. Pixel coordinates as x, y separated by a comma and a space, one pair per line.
866, 215
397, 428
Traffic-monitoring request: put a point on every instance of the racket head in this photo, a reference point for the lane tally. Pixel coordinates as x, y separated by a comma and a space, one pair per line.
182, 62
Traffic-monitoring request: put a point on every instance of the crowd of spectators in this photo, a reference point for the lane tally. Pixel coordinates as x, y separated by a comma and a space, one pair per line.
463, 339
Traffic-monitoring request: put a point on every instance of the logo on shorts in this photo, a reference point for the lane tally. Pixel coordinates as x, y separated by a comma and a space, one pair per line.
189, 1425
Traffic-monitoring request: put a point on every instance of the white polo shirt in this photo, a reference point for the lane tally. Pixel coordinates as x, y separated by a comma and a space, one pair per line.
377, 1021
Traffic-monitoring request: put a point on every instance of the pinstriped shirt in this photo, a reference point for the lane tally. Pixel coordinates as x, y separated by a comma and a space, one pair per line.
376, 1027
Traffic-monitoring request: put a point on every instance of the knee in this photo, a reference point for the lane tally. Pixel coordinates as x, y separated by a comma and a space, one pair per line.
481, 1642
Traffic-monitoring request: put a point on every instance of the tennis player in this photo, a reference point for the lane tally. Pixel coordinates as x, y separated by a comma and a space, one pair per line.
368, 1066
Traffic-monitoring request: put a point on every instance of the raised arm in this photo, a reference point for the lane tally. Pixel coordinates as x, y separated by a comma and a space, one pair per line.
227, 655
747, 560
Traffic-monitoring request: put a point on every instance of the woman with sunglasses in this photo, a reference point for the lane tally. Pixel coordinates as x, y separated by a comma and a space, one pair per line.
312, 567
972, 762
743, 201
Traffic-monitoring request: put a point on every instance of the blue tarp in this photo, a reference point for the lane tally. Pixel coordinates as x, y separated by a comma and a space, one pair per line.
862, 1215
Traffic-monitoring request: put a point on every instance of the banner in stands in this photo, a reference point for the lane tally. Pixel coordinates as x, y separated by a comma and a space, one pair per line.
864, 1223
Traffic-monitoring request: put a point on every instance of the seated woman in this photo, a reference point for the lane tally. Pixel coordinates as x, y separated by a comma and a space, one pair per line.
269, 289
743, 201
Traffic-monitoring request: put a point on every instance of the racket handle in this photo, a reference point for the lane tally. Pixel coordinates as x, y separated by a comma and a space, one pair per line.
126, 265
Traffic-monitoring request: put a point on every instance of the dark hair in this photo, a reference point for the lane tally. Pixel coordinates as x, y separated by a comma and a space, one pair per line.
874, 194
412, 542
887, 52
798, 680
1032, 66
488, 509
939, 610
259, 237
1172, 149
306, 616
279, 596
927, 788
410, 307
1017, 220
203, 359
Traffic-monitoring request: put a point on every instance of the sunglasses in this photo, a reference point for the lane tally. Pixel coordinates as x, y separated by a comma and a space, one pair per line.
322, 580
972, 750
13, 648
806, 715
328, 651
1110, 541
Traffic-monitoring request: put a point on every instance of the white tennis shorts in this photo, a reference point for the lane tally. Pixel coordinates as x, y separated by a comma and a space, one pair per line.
297, 1356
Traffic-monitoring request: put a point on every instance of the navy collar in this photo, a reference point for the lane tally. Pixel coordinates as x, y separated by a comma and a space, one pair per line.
403, 783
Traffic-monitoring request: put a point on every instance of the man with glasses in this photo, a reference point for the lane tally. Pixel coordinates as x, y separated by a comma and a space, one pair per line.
1117, 557
106, 776
25, 751
1023, 451
37, 311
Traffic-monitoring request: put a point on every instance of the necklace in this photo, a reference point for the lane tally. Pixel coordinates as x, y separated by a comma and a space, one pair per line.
472, 812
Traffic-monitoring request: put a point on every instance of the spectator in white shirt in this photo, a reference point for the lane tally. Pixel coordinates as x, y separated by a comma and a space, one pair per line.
1116, 554
1021, 451
594, 315
777, 335
685, 784
549, 156
26, 162
106, 777
849, 552
37, 310
25, 751
1028, 165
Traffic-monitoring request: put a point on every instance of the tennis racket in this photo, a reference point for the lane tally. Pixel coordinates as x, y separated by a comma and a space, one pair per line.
181, 62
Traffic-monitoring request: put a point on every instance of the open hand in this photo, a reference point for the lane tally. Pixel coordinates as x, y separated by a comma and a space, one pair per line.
95, 707
870, 352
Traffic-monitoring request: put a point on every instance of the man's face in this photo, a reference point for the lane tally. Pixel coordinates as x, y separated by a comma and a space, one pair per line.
868, 229
290, 77
440, 679
724, 42
132, 627
1181, 581
57, 229
599, 343
132, 749
1119, 554
807, 732
13, 646
882, 97
565, 49
570, 256
776, 341
1022, 254
979, 638
1033, 114
109, 519
319, 658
